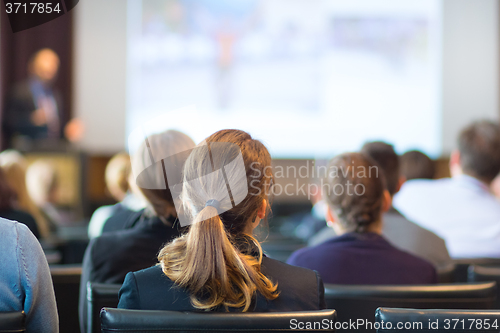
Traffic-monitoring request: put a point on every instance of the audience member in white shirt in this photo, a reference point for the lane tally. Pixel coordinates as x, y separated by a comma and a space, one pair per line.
461, 209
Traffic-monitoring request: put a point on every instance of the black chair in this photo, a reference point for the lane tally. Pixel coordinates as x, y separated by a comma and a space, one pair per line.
484, 273
446, 274
462, 266
436, 321
130, 321
12, 322
99, 295
66, 280
354, 302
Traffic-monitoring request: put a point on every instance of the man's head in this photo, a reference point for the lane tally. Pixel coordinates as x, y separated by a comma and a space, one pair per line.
478, 153
387, 159
44, 65
416, 165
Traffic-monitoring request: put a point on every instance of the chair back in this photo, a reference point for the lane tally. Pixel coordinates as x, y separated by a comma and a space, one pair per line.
66, 280
446, 274
437, 321
100, 295
354, 302
12, 322
484, 273
130, 321
462, 266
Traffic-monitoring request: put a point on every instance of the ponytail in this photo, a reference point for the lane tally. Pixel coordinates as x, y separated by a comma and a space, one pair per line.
207, 263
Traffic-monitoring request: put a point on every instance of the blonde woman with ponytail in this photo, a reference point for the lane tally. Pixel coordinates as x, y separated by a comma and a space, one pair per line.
218, 265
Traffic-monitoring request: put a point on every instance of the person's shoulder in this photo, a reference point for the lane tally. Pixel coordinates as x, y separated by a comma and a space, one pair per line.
7, 225
103, 211
151, 273
394, 219
9, 228
110, 244
411, 260
309, 252
424, 184
277, 269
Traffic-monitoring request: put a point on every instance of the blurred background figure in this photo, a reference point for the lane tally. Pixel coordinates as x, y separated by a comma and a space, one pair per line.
42, 184
122, 188
9, 208
33, 111
416, 165
14, 167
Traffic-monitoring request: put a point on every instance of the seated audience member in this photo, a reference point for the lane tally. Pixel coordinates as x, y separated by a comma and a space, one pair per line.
357, 199
25, 282
417, 165
399, 231
14, 166
112, 255
42, 184
8, 207
461, 209
218, 265
114, 217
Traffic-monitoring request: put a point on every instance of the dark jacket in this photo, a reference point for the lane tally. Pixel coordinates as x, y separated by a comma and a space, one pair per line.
300, 290
110, 257
18, 110
364, 258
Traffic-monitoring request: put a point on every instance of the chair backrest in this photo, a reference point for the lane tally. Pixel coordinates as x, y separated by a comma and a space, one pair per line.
129, 321
484, 273
446, 274
462, 266
66, 280
437, 321
99, 295
12, 322
360, 301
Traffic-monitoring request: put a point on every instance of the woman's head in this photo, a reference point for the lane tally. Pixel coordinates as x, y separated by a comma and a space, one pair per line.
355, 192
14, 165
117, 174
166, 150
235, 170
42, 182
226, 181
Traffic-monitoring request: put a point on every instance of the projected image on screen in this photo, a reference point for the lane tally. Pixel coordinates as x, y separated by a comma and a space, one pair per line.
309, 78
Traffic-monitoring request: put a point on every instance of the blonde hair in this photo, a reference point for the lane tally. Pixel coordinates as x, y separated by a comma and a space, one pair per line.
116, 175
41, 179
14, 165
148, 163
210, 261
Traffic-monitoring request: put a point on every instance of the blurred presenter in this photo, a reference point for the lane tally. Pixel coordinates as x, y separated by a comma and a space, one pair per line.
33, 111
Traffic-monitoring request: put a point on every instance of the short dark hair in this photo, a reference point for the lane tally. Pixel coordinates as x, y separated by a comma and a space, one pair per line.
387, 159
356, 211
416, 165
479, 147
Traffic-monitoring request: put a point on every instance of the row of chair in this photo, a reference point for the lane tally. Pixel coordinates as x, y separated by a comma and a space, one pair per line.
393, 320
351, 302
66, 282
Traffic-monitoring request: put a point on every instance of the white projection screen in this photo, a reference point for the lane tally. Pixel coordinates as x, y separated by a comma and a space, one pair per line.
310, 78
